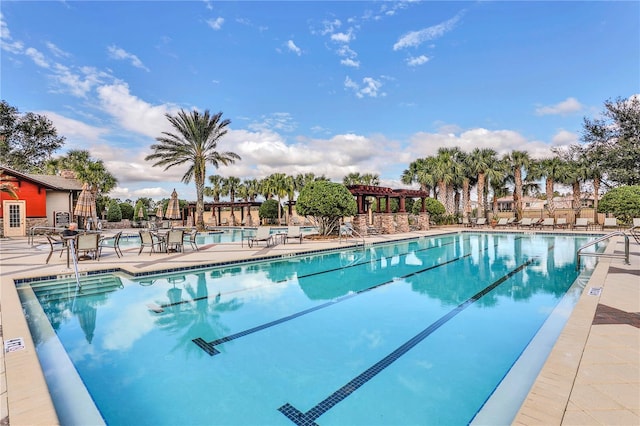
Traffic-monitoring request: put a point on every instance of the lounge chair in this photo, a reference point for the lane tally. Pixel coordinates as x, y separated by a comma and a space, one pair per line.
293, 233
635, 229
147, 239
525, 222
87, 244
610, 223
263, 234
561, 223
482, 221
110, 242
466, 222
55, 246
511, 221
581, 222
503, 221
548, 222
175, 240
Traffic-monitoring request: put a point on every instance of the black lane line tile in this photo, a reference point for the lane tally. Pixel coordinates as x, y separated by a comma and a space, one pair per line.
209, 347
309, 418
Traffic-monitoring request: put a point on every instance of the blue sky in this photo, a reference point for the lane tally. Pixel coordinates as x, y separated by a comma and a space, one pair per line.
326, 87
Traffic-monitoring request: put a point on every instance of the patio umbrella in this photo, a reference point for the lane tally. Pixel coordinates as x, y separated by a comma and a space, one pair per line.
159, 211
86, 204
173, 209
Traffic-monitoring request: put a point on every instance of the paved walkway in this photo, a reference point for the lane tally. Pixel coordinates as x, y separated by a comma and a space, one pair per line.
592, 377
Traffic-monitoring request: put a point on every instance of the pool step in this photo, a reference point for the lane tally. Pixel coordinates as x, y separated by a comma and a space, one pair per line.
91, 285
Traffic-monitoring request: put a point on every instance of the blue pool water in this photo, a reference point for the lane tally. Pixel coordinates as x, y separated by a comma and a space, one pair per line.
222, 236
416, 332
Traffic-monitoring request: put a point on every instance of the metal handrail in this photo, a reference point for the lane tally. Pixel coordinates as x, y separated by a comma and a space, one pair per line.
50, 229
351, 233
625, 256
635, 233
74, 258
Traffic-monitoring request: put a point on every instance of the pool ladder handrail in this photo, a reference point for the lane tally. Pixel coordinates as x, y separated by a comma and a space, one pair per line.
624, 256
74, 258
635, 233
47, 229
349, 232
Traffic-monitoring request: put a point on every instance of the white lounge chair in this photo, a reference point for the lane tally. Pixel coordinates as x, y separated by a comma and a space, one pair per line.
263, 234
482, 221
525, 222
503, 221
581, 222
610, 223
561, 223
293, 233
548, 222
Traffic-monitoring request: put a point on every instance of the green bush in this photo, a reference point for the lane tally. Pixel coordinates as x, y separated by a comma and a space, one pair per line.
622, 202
114, 214
327, 202
269, 209
127, 211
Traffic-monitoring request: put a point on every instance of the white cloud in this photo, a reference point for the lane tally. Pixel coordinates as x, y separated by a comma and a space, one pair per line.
77, 82
37, 57
293, 48
7, 41
416, 38
568, 106
216, 24
56, 50
370, 87
565, 138
74, 129
415, 61
121, 54
342, 37
350, 63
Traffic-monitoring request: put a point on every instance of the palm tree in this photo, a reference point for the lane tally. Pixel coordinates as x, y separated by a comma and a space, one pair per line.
279, 185
7, 187
230, 186
480, 162
552, 169
215, 189
519, 162
446, 169
194, 144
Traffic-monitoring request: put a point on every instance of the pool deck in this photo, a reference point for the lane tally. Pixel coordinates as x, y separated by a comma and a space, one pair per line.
592, 376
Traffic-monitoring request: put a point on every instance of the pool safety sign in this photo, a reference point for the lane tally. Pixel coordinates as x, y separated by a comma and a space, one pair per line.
13, 345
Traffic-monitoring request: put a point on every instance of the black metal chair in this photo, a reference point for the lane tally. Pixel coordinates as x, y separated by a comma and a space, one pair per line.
110, 242
55, 246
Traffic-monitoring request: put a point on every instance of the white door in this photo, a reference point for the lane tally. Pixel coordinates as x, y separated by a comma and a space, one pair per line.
14, 218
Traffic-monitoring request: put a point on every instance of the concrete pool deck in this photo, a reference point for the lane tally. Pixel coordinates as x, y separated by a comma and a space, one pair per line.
592, 376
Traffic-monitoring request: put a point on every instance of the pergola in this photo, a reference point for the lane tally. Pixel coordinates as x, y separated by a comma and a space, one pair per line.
379, 192
216, 208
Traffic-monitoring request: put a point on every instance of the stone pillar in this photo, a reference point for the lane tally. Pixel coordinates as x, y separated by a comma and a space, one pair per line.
387, 225
402, 222
360, 222
423, 221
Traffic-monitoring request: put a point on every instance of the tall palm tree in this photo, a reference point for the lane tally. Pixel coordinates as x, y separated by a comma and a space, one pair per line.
553, 170
446, 169
279, 186
519, 162
480, 162
195, 144
215, 189
230, 186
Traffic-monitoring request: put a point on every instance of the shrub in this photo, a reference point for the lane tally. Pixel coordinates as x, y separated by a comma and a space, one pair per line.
127, 211
114, 214
327, 203
623, 202
269, 209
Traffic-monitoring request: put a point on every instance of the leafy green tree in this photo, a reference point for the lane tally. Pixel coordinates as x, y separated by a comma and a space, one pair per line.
432, 206
27, 141
269, 209
127, 211
87, 170
614, 140
114, 213
622, 202
195, 144
327, 203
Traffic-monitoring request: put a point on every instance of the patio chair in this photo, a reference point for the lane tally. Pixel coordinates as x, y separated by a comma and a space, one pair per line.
263, 234
87, 244
147, 239
466, 222
502, 222
293, 233
55, 245
561, 223
190, 238
175, 240
511, 221
548, 222
482, 221
610, 223
111, 242
525, 222
581, 222
635, 229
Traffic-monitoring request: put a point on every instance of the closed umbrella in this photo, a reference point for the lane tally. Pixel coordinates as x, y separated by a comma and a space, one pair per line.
173, 209
159, 211
86, 205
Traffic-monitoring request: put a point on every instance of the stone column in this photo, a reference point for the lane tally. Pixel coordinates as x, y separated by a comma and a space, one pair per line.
423, 221
402, 222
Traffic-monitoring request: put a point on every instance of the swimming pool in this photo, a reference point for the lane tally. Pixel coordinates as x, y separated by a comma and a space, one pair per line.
218, 236
416, 332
